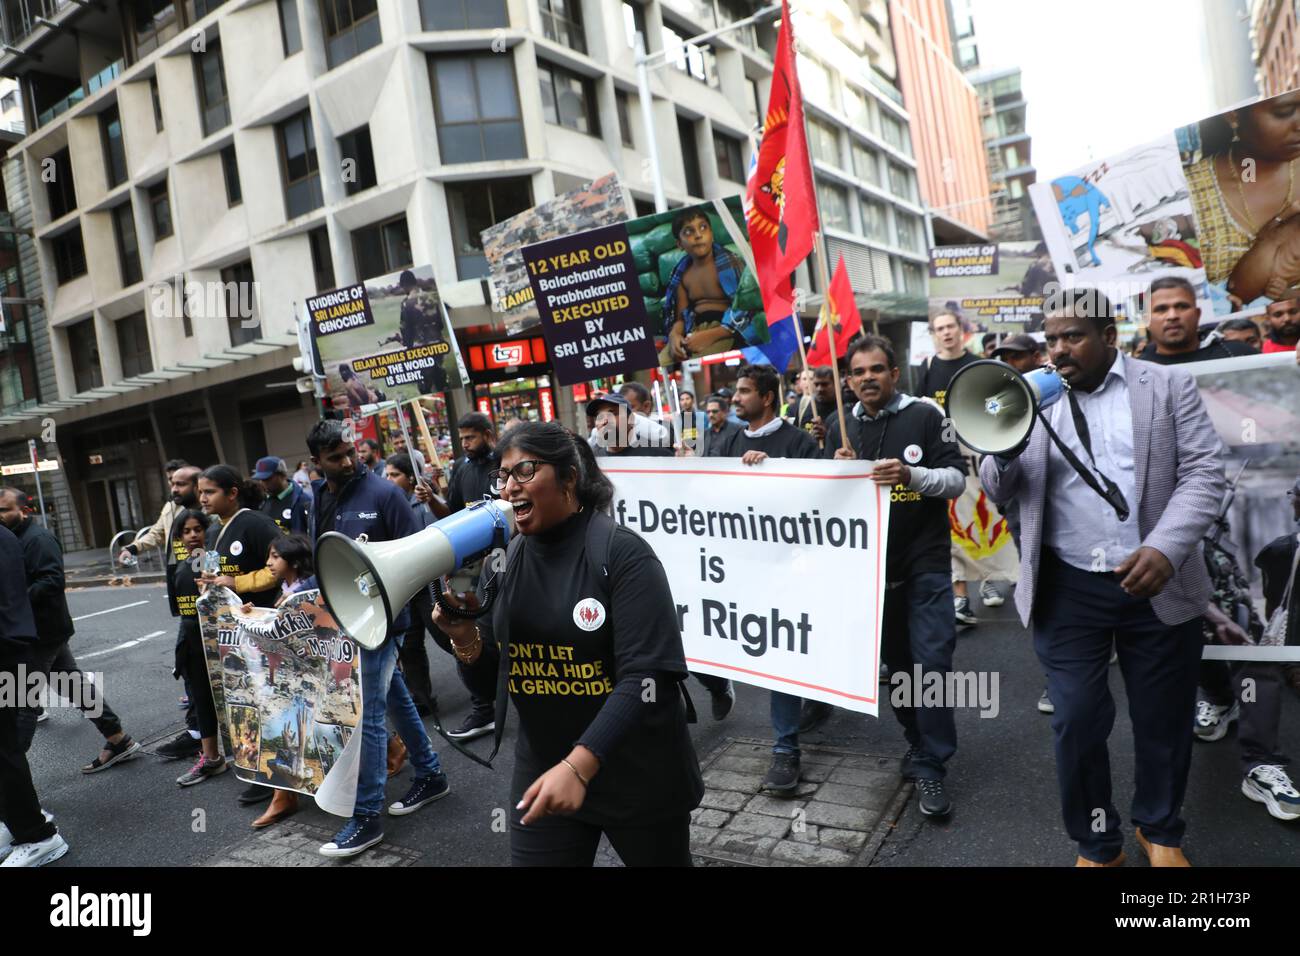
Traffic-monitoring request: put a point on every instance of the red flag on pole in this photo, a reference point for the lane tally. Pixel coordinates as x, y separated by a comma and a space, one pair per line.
781, 204
840, 314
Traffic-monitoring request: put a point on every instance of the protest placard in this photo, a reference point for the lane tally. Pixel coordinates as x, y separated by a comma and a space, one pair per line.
777, 570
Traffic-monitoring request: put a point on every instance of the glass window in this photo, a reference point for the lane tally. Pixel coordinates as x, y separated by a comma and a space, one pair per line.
382, 248
875, 220
694, 59
290, 29
623, 101
358, 160
69, 255
902, 182
160, 209
198, 9
857, 109
815, 81
298, 166
157, 104
322, 260
351, 28
866, 163
60, 189
463, 14
690, 156
894, 133
476, 104
634, 23
474, 207
562, 22
568, 99
823, 141
732, 11
913, 278
128, 250
110, 126
83, 348
214, 102
909, 232
727, 150
834, 202
230, 172
153, 23
133, 345
241, 302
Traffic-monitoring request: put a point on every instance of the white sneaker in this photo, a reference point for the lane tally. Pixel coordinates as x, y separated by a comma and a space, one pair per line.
36, 854
1212, 720
990, 595
1268, 784
7, 838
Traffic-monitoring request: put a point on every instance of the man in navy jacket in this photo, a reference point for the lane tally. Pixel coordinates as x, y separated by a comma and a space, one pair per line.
352, 500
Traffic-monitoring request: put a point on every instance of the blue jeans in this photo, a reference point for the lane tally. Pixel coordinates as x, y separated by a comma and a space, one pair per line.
383, 690
786, 711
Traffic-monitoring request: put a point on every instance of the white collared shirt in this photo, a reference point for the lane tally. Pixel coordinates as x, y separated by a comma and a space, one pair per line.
1082, 528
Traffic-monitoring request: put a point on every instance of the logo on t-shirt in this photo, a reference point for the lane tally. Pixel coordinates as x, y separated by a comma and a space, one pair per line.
912, 454
237, 548
287, 512
589, 614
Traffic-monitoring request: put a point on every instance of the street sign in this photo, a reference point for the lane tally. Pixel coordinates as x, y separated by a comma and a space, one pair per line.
26, 468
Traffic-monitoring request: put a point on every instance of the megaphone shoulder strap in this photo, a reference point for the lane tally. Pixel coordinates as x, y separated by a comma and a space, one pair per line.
1110, 493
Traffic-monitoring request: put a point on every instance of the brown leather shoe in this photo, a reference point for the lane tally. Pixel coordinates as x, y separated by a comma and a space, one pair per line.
284, 803
1160, 855
396, 755
1118, 861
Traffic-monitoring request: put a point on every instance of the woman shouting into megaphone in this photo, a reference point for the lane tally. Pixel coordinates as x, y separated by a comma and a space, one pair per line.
593, 663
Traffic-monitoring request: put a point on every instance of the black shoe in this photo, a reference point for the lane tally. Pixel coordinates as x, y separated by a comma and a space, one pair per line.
724, 698
180, 747
902, 766
813, 715
783, 775
475, 725
256, 793
934, 802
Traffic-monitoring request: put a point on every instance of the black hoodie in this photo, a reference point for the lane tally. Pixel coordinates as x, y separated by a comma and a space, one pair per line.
43, 562
16, 624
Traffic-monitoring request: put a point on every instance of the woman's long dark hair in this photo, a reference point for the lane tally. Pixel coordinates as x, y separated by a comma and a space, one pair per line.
295, 549
227, 479
183, 518
570, 455
402, 462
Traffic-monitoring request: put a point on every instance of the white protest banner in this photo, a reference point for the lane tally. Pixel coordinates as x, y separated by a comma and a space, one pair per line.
777, 569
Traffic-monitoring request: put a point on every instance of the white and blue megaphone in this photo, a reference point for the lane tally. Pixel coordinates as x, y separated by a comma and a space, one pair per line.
993, 407
366, 585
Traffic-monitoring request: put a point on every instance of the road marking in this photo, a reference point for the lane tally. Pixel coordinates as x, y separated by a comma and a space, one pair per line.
121, 647
109, 610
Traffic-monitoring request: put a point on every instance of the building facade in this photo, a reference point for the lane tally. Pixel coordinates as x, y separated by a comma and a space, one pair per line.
1275, 44
946, 122
192, 170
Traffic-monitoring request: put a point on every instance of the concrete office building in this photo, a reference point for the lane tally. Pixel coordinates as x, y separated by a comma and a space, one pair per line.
1275, 45
263, 151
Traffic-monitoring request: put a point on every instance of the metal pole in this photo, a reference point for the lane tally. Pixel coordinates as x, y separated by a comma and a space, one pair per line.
648, 122
36, 473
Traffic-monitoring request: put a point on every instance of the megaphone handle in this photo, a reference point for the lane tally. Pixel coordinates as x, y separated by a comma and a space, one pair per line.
489, 595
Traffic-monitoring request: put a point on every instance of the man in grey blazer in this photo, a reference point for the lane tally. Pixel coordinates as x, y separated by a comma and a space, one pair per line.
1091, 574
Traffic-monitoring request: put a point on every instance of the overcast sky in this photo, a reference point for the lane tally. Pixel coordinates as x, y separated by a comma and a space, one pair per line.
1098, 76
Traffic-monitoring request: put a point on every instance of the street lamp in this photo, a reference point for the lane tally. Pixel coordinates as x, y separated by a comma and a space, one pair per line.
645, 62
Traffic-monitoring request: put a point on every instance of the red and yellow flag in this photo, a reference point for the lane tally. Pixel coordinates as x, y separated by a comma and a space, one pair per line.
840, 314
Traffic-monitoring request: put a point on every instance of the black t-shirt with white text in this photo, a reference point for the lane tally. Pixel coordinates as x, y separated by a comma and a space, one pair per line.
572, 640
244, 549
932, 381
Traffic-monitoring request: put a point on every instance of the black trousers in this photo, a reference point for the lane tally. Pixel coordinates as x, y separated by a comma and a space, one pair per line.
1077, 615
20, 807
57, 659
422, 608
192, 664
1261, 709
564, 841
413, 656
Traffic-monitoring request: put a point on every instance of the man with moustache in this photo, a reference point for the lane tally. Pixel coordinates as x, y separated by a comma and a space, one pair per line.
904, 438
157, 534
1115, 558
1173, 321
1283, 325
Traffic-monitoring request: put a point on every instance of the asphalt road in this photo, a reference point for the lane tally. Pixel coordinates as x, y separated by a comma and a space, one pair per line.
1002, 780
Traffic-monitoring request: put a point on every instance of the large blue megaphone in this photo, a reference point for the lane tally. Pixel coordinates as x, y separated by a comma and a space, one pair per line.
993, 407
367, 585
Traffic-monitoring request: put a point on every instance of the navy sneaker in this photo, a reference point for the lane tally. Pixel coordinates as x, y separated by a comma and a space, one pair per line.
358, 835
423, 790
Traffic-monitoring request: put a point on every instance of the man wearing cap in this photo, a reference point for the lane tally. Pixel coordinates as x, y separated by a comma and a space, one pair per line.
621, 430
286, 504
1021, 352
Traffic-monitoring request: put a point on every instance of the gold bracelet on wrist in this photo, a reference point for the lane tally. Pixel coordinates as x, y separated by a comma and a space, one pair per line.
468, 652
576, 772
